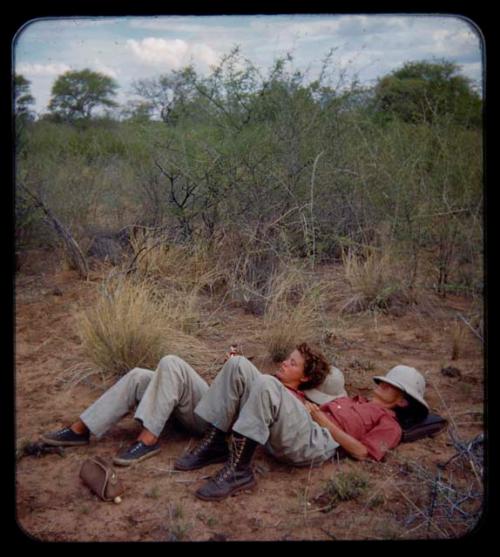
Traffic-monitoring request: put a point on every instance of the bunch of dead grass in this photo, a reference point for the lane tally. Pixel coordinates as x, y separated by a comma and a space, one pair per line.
293, 312
182, 266
375, 280
134, 324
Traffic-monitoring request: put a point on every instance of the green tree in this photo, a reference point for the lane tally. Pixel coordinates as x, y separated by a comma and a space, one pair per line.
425, 91
23, 97
75, 94
137, 111
168, 95
24, 116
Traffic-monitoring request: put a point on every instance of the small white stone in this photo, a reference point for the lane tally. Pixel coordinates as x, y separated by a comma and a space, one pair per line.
117, 499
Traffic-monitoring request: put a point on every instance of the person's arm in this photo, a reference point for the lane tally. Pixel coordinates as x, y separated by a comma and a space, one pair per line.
351, 445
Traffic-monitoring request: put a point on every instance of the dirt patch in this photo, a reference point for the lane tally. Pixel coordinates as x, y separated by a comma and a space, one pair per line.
287, 503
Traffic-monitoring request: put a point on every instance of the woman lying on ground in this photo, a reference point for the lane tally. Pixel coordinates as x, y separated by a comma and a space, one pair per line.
301, 415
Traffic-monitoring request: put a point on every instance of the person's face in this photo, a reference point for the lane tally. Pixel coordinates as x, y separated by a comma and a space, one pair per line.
389, 396
291, 370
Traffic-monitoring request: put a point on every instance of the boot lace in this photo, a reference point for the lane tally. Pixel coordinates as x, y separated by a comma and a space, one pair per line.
205, 442
236, 450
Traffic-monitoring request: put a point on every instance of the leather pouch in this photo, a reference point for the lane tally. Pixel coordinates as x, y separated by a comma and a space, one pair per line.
99, 475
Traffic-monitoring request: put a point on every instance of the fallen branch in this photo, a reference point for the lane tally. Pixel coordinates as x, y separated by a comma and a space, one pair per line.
72, 248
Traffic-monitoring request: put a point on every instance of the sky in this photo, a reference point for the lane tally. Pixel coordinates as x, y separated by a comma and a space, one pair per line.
133, 48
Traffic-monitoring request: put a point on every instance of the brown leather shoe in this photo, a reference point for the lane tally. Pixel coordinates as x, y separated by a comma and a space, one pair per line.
211, 449
236, 475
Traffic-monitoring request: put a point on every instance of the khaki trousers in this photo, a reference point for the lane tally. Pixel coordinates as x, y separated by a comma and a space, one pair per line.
240, 398
174, 389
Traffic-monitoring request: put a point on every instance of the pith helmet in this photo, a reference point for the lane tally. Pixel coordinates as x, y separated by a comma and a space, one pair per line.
331, 388
408, 379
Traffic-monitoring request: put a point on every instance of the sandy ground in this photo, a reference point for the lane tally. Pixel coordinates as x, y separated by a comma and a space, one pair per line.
287, 503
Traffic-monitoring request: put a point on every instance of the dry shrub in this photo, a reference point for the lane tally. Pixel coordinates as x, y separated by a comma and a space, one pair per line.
375, 280
133, 324
293, 312
344, 486
245, 261
183, 266
447, 500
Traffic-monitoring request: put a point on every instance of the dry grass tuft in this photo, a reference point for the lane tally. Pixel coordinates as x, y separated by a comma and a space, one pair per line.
134, 324
185, 267
293, 312
374, 279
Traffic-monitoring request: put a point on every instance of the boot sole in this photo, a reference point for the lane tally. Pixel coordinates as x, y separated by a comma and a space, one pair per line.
130, 462
250, 485
55, 443
197, 467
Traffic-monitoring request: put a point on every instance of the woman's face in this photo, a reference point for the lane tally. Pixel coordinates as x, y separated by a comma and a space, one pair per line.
387, 394
291, 370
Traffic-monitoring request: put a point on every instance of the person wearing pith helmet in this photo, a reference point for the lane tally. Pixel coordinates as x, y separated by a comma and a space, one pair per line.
408, 380
299, 423
368, 428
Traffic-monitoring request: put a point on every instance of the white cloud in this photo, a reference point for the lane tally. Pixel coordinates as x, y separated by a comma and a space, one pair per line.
105, 69
159, 51
172, 53
205, 54
42, 70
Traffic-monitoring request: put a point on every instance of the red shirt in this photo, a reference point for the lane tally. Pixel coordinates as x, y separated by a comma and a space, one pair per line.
372, 425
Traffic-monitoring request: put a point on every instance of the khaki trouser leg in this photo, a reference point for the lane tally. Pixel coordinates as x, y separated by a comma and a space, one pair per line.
221, 404
117, 401
173, 389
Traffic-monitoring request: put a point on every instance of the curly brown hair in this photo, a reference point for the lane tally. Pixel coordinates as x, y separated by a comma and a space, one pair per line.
316, 366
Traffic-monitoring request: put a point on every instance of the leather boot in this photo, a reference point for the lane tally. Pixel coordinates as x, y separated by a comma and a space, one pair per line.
237, 473
212, 448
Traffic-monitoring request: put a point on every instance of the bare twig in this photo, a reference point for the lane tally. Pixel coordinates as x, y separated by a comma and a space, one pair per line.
329, 534
456, 504
470, 327
167, 470
450, 417
466, 450
142, 250
432, 503
419, 511
306, 492
313, 174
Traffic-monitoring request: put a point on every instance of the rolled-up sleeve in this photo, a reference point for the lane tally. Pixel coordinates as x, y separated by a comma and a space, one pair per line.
384, 436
